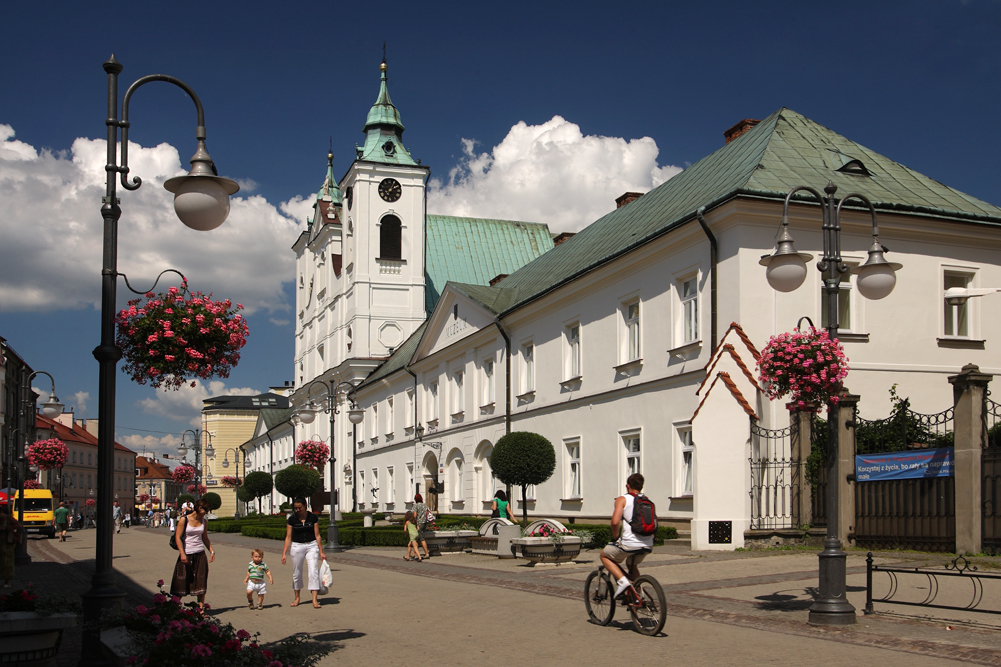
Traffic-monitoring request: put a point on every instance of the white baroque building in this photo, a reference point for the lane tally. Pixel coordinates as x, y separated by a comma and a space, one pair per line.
601, 343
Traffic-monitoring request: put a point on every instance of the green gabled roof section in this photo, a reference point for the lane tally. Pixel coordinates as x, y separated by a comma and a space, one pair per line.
274, 416
783, 151
398, 360
476, 250
494, 299
384, 130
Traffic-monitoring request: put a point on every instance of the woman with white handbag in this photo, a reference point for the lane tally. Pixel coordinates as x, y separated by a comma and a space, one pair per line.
302, 537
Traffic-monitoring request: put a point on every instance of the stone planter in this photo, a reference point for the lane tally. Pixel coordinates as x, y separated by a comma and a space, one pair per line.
484, 545
30, 639
546, 550
448, 540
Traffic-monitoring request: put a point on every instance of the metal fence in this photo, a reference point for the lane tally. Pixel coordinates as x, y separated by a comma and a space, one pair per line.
772, 474
991, 481
910, 513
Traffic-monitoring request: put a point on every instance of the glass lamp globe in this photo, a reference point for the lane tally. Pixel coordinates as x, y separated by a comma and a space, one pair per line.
876, 282
785, 273
201, 203
52, 408
210, 451
356, 415
182, 451
225, 463
306, 414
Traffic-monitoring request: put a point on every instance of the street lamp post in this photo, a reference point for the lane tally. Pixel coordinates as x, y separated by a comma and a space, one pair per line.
201, 201
182, 451
225, 464
307, 414
786, 271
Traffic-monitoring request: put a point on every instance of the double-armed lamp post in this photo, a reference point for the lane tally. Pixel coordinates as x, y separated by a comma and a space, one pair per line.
306, 415
201, 201
786, 271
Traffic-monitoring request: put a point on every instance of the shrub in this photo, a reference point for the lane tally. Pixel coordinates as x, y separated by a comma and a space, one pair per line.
297, 481
258, 484
523, 458
213, 499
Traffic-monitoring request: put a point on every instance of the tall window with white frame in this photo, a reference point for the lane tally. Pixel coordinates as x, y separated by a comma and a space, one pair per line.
375, 421
957, 318
432, 407
573, 469
844, 302
632, 320
632, 445
488, 382
390, 485
456, 479
528, 367
410, 482
408, 419
362, 499
458, 400
684, 486
573, 350
375, 488
389, 416
690, 309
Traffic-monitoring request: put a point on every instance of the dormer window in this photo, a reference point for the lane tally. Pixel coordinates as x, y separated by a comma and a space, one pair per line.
855, 167
389, 148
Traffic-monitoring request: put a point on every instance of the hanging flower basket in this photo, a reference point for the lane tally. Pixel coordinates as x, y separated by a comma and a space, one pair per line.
155, 500
183, 474
48, 454
196, 488
171, 337
312, 453
231, 481
32, 484
807, 365
142, 497
90, 502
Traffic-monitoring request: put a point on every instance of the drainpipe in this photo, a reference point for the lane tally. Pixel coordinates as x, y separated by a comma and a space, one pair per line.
507, 388
417, 465
713, 259
271, 467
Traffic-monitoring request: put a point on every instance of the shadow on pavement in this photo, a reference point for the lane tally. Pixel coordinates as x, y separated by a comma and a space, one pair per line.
793, 599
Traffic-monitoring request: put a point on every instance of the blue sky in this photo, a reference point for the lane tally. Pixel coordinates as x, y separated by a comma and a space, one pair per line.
625, 95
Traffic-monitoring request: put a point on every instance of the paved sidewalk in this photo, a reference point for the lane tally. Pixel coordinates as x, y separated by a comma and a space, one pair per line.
470, 609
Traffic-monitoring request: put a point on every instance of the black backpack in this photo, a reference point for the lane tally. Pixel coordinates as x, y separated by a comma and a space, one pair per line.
644, 519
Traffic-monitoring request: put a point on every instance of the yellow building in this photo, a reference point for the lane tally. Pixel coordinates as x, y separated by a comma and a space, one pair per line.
227, 423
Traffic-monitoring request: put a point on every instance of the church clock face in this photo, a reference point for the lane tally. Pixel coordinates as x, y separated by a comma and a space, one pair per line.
390, 189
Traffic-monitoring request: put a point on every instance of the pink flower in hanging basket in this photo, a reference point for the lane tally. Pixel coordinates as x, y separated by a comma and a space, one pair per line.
183, 474
808, 365
312, 453
48, 454
142, 497
163, 345
196, 488
231, 481
90, 502
32, 484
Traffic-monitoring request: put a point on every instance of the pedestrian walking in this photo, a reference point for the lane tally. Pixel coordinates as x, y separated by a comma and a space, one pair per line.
172, 514
116, 515
60, 519
191, 572
410, 528
11, 535
421, 517
501, 507
254, 580
302, 535
127, 521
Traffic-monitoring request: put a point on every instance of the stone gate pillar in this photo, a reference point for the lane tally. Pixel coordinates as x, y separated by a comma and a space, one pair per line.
846, 467
802, 492
969, 389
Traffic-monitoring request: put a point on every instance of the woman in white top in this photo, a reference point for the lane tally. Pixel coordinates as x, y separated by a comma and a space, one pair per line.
191, 573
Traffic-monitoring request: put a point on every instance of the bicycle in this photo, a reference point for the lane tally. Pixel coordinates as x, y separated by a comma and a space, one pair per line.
644, 598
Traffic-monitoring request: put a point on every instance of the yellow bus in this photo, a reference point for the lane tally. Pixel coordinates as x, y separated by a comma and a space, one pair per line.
37, 511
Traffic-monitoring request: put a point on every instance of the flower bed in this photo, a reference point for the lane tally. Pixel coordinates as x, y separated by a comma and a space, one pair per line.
552, 549
809, 366
177, 335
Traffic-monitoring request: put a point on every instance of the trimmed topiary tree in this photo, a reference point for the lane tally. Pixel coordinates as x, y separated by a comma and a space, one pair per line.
297, 481
213, 499
258, 484
523, 458
184, 498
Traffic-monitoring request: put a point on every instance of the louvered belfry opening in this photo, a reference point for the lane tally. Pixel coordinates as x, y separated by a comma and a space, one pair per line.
390, 238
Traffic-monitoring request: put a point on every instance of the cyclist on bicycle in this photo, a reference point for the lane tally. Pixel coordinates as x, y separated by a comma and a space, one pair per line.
627, 547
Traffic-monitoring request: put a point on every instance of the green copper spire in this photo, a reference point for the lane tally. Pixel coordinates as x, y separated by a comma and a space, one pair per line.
384, 130
329, 187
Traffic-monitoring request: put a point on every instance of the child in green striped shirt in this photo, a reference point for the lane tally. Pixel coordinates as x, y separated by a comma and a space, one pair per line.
254, 580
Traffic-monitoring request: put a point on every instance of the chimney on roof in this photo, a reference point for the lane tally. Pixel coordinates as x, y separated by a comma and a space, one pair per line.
89, 425
565, 236
627, 198
740, 128
66, 418
499, 277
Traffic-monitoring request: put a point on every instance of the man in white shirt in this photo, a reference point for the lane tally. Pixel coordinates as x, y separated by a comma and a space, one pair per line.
628, 547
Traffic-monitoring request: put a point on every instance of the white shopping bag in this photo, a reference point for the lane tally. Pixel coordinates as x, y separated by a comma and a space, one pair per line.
326, 578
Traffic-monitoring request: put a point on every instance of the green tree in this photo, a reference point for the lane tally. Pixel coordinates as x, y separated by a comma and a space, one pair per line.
258, 484
523, 458
213, 499
297, 481
184, 498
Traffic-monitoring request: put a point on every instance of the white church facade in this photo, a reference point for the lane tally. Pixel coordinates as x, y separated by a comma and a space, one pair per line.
608, 342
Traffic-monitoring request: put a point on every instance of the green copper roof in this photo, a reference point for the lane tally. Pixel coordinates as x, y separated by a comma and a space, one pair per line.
274, 416
476, 250
783, 151
329, 187
384, 130
399, 359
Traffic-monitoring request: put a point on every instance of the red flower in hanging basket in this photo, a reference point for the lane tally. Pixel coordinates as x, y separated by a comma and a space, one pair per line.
32, 484
90, 502
142, 497
312, 453
168, 338
231, 481
808, 365
196, 488
48, 454
183, 474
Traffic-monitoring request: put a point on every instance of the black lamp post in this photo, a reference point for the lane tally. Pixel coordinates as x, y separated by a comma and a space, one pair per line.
182, 451
786, 271
225, 464
201, 201
306, 415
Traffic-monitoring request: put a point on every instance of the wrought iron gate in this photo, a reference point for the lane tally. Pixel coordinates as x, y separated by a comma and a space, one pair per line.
772, 478
912, 513
990, 469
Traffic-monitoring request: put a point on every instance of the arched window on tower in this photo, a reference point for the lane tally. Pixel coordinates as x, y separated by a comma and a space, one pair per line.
390, 238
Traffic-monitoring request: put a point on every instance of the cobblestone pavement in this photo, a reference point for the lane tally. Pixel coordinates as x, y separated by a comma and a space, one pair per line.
483, 610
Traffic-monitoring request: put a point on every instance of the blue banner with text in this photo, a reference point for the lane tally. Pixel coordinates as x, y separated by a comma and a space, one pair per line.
905, 465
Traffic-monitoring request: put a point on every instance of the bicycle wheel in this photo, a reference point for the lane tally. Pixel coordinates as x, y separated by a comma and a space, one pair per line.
598, 598
650, 612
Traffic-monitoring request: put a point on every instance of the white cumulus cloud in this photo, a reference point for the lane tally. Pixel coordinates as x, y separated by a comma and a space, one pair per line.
185, 404
548, 173
52, 231
80, 400
151, 444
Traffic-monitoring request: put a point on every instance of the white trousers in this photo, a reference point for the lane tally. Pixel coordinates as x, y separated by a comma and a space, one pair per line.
311, 554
